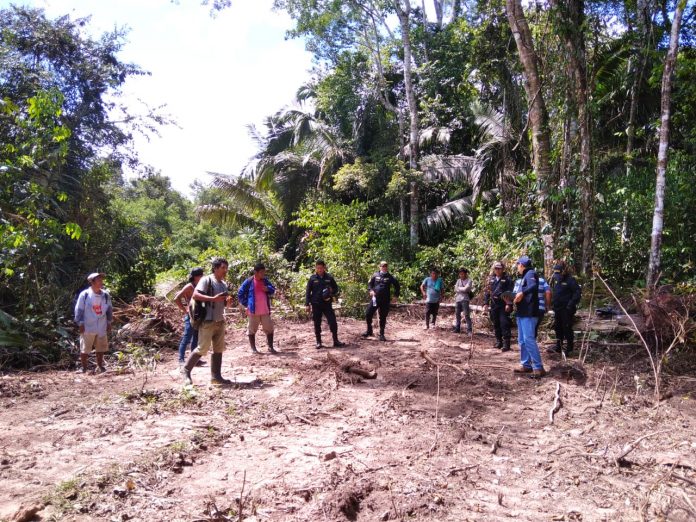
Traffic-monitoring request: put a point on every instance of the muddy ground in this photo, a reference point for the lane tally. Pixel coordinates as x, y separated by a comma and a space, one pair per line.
299, 439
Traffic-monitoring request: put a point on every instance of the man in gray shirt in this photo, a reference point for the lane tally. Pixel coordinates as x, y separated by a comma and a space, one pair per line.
213, 292
462, 296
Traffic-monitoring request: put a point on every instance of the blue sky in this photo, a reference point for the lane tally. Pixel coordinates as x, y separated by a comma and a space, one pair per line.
215, 75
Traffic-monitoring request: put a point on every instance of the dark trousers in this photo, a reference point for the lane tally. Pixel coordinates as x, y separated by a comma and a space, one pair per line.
431, 309
563, 325
536, 328
501, 322
383, 307
463, 306
326, 310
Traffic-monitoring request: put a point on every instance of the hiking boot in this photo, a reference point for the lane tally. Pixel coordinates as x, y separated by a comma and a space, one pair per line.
319, 346
506, 345
269, 338
369, 333
252, 343
382, 338
338, 344
498, 344
82, 370
426, 327
522, 369
100, 369
568, 349
556, 349
538, 374
186, 370
216, 378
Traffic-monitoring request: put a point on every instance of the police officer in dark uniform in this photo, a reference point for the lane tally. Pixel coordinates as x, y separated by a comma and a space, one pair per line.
565, 298
500, 283
321, 289
380, 296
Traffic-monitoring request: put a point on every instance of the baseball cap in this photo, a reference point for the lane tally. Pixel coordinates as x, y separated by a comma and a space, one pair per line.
91, 277
498, 264
524, 261
382, 263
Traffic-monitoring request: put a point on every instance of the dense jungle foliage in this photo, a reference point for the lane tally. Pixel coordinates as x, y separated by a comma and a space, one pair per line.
348, 171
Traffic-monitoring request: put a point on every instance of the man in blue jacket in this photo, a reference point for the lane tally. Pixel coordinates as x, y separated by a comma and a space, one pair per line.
255, 296
527, 302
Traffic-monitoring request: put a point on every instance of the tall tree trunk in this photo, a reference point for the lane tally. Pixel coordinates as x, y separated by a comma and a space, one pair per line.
538, 120
572, 13
438, 12
636, 67
403, 11
663, 149
456, 9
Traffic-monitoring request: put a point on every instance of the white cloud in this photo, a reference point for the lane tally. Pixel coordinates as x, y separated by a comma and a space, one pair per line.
216, 75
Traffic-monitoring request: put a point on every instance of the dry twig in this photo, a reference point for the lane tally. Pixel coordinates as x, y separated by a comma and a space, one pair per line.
556, 403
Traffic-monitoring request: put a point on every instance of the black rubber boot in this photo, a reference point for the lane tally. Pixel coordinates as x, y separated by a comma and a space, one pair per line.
557, 348
498, 343
336, 342
215, 371
190, 363
252, 343
269, 338
368, 333
506, 345
381, 336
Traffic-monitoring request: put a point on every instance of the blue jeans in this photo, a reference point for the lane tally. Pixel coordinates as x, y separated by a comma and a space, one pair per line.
190, 337
529, 350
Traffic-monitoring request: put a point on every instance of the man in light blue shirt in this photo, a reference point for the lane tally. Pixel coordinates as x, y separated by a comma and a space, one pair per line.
93, 315
431, 288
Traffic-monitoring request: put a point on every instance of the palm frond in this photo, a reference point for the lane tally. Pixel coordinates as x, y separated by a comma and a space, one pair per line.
446, 215
434, 135
447, 168
242, 203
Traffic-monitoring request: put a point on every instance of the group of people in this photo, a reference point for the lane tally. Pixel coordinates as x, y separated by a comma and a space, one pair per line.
204, 298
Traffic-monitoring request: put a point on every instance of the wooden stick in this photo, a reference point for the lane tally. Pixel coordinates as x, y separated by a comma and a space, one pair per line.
556, 402
628, 448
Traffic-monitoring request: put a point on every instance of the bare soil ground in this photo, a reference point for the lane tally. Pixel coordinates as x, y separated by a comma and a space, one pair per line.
299, 439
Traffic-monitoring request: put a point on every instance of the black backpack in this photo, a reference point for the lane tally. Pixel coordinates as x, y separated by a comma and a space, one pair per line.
198, 309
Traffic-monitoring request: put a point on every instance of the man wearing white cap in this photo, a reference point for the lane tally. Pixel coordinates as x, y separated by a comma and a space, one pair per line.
93, 315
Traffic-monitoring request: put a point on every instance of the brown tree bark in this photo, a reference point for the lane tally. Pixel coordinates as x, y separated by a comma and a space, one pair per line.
538, 120
654, 265
403, 11
572, 16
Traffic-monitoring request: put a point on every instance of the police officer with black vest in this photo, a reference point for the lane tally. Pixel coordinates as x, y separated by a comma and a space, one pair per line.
321, 290
380, 297
565, 298
500, 283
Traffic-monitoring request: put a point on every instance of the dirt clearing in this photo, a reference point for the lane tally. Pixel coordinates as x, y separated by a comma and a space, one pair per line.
446, 435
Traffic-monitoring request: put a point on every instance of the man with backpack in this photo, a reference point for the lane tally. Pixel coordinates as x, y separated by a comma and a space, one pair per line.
183, 300
93, 315
211, 296
255, 296
527, 313
321, 290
